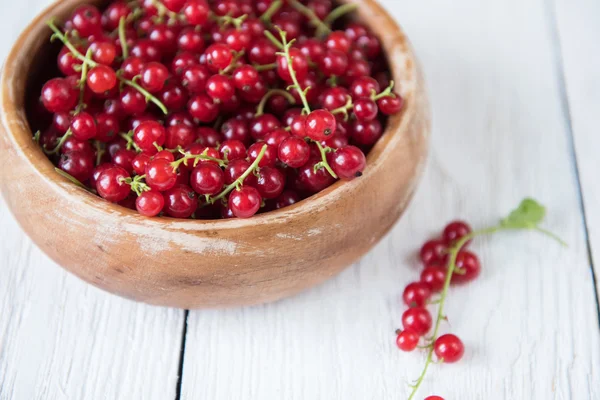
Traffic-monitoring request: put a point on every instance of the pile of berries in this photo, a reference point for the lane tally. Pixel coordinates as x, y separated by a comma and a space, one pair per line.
214, 109
417, 321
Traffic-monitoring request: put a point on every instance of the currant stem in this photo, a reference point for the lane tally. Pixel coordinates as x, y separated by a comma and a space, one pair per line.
265, 67
261, 106
312, 17
239, 181
130, 142
337, 13
100, 150
225, 20
274, 40
136, 184
234, 62
272, 10
163, 10
60, 143
197, 158
324, 161
72, 179
386, 93
122, 38
345, 108
286, 53
147, 95
82, 82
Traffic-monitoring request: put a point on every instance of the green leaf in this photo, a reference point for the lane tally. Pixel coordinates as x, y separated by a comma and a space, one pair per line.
528, 215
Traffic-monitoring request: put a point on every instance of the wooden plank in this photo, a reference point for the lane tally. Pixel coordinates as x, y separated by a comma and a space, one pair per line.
577, 36
529, 322
63, 339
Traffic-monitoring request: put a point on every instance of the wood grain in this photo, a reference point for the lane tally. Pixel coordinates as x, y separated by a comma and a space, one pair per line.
529, 323
577, 32
194, 264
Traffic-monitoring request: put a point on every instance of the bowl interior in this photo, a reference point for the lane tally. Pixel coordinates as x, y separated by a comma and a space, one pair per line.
32, 62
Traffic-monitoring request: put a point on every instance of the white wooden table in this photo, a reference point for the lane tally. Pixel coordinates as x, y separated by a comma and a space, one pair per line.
515, 86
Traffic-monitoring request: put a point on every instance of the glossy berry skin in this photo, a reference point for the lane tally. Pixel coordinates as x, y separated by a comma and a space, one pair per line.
276, 137
313, 181
218, 57
454, 231
334, 63
366, 133
364, 88
236, 169
59, 96
270, 182
232, 150
132, 66
449, 348
207, 178
434, 251
434, 398
153, 77
196, 12
390, 105
416, 294
347, 162
338, 41
299, 64
124, 159
202, 108
147, 134
78, 164
150, 204
294, 152
160, 175
286, 199
407, 340
83, 126
110, 186
468, 267
365, 109
139, 163
179, 135
101, 79
263, 125
244, 202
417, 319
180, 202
87, 20
319, 125
434, 275
245, 77
220, 88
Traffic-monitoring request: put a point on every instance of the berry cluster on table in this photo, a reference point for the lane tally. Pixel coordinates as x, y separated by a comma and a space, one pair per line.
214, 109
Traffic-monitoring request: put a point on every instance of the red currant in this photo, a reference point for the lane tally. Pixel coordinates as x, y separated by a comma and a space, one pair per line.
467, 267
407, 340
294, 152
449, 348
319, 125
180, 202
153, 77
58, 95
111, 184
101, 79
434, 276
434, 251
454, 231
347, 162
160, 175
418, 320
245, 202
83, 126
416, 294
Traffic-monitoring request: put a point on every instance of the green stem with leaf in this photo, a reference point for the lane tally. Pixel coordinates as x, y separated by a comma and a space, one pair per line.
527, 216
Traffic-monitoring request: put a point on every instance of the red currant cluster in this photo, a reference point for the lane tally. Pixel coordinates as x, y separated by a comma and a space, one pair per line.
202, 109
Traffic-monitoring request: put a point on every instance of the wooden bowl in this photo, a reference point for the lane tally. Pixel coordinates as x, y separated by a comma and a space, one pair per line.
196, 264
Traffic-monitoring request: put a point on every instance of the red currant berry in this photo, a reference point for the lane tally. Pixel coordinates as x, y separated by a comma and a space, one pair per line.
334, 63
113, 14
191, 40
467, 267
237, 40
365, 109
207, 179
347, 162
449, 348
319, 125
416, 294
434, 251
286, 199
313, 181
407, 340
179, 135
312, 49
208, 137
58, 95
262, 52
245, 77
165, 155
182, 61
338, 41
270, 182
132, 101
236, 169
194, 78
366, 133
299, 64
148, 135
196, 12
294, 152
220, 88
202, 108
78, 164
232, 150
364, 87
101, 79
150, 204
263, 125
104, 52
146, 50
218, 57
390, 105
454, 231
111, 184
418, 320
87, 20
83, 126
434, 398
139, 163
333, 98
434, 276
107, 127
180, 202
131, 67
153, 77
245, 202
236, 129
160, 175
269, 158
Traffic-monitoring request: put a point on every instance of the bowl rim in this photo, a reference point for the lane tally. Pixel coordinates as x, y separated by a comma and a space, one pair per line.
394, 42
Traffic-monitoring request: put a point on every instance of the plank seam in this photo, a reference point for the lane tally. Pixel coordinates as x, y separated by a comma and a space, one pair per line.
181, 355
566, 108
